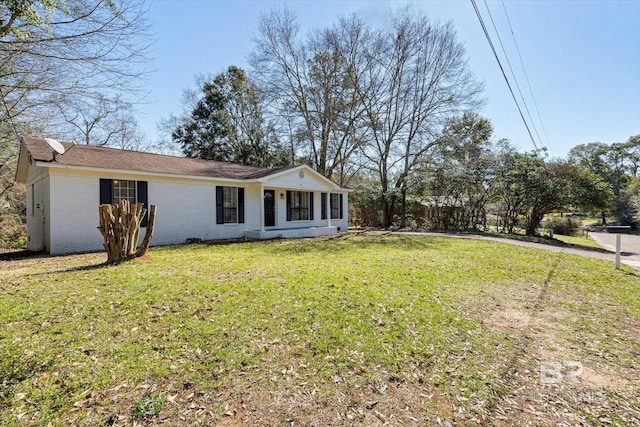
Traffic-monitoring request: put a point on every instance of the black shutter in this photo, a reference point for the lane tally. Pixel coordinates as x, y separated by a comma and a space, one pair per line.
311, 205
219, 205
105, 191
240, 205
323, 205
142, 198
288, 205
341, 208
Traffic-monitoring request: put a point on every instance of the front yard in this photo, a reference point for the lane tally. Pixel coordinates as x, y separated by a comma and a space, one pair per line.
351, 330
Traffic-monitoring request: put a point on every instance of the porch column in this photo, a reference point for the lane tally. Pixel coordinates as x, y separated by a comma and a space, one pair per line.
261, 198
328, 208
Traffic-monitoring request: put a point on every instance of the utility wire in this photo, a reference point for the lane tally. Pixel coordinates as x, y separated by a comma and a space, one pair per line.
526, 76
513, 74
495, 54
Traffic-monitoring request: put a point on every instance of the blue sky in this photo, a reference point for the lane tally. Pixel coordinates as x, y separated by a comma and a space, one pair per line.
582, 58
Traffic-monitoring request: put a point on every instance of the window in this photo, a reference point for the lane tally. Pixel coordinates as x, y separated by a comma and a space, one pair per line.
229, 205
112, 191
323, 205
336, 206
299, 206
123, 190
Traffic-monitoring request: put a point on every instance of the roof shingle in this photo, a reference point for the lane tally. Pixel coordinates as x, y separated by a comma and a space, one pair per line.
111, 158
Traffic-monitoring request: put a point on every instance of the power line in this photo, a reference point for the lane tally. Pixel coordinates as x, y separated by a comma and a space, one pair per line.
526, 76
495, 54
513, 74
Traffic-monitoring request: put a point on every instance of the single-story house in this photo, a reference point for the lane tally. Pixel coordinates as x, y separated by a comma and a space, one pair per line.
195, 198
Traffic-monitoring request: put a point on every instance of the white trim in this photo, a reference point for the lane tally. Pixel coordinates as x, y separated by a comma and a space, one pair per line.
306, 168
262, 207
141, 173
264, 180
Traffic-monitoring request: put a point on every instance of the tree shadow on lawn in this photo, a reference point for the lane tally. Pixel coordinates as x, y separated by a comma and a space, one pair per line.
18, 255
38, 263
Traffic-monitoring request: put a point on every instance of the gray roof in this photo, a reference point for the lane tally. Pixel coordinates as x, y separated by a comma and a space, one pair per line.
112, 158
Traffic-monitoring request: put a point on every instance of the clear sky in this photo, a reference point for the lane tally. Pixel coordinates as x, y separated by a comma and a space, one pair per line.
582, 58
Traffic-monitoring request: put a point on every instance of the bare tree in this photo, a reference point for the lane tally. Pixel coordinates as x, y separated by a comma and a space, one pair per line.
81, 49
99, 121
312, 83
417, 77
76, 50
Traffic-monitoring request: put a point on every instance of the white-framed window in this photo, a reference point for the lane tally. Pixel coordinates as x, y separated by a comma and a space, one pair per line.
335, 205
112, 191
123, 189
230, 204
299, 205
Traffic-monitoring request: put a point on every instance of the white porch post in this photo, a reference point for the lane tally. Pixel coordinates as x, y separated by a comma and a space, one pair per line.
261, 208
328, 208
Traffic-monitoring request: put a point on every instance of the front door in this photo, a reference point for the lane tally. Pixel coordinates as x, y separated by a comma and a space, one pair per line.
269, 208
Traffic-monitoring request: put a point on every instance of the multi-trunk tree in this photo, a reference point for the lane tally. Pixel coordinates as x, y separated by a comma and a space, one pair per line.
365, 97
314, 84
460, 176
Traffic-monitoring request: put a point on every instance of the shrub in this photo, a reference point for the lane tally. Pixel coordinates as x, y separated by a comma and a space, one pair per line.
565, 226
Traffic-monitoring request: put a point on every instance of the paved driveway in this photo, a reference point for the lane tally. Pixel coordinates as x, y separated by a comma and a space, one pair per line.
629, 246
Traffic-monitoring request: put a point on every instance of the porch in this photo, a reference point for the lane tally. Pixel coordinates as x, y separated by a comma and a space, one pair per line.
290, 233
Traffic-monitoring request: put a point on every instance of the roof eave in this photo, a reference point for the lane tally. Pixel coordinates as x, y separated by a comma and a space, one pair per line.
139, 173
335, 186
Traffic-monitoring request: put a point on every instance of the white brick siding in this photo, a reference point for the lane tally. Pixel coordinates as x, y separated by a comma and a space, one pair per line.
186, 208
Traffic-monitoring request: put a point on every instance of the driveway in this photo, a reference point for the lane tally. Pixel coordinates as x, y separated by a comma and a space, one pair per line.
629, 246
630, 252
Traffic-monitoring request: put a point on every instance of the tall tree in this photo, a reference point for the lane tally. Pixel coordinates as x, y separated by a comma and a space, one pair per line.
416, 78
52, 50
62, 50
101, 121
615, 165
226, 123
461, 173
313, 82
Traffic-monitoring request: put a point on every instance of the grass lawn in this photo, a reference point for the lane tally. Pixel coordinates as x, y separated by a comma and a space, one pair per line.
351, 330
582, 242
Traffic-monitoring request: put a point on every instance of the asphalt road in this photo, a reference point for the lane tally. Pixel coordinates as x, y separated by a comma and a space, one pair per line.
629, 246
